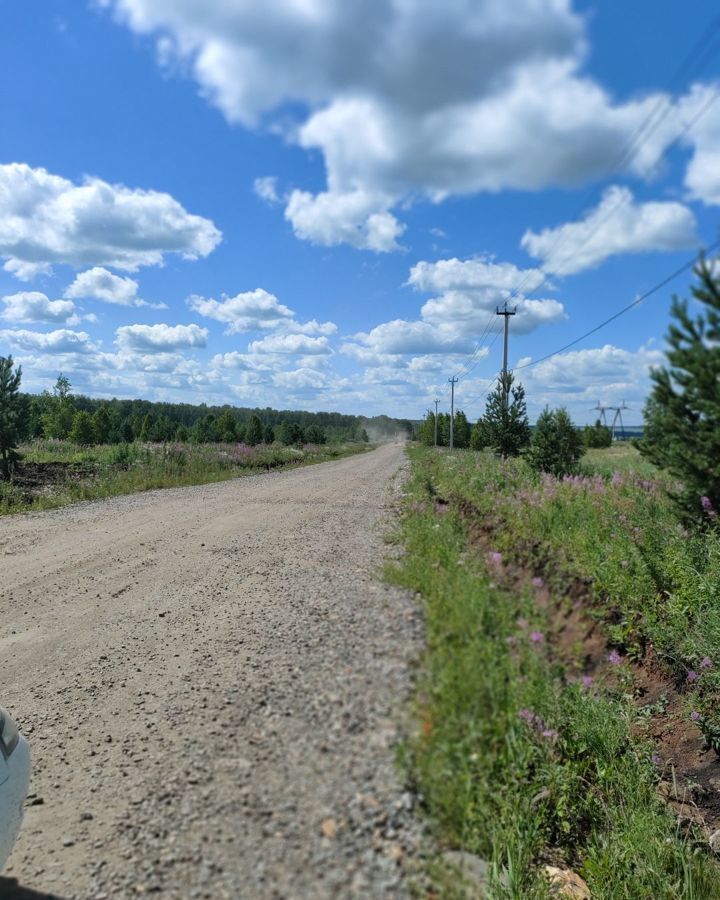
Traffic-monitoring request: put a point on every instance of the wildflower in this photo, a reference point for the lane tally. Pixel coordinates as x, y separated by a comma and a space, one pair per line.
695, 715
537, 637
655, 759
706, 503
692, 675
537, 582
706, 663
549, 733
527, 715
495, 557
614, 657
586, 681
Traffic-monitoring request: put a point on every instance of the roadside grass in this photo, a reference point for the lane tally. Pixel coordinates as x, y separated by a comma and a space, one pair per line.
620, 457
57, 473
519, 760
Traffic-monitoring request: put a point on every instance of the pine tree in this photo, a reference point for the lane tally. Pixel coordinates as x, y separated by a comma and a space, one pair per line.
59, 409
597, 435
461, 430
556, 445
426, 430
254, 430
508, 429
479, 436
226, 427
268, 434
682, 414
82, 431
11, 415
102, 424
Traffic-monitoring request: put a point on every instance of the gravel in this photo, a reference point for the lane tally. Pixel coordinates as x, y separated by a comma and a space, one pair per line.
212, 681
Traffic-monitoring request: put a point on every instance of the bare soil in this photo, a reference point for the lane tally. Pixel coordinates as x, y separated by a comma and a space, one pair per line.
211, 681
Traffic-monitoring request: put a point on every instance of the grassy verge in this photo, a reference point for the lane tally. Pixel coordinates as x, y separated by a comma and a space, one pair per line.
523, 758
56, 473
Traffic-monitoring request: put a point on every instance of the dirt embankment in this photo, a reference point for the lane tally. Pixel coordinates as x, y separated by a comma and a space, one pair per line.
210, 679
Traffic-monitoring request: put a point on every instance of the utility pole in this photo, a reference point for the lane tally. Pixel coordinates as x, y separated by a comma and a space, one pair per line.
453, 381
506, 313
436, 415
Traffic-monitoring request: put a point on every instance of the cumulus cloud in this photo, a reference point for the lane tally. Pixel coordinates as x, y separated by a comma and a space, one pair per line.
701, 110
256, 310
33, 306
99, 284
617, 225
47, 219
63, 340
160, 338
413, 98
579, 379
291, 344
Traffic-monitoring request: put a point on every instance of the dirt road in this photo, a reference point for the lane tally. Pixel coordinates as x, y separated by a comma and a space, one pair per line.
210, 679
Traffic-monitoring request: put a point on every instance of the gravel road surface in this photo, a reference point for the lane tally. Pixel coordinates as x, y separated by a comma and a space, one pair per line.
211, 680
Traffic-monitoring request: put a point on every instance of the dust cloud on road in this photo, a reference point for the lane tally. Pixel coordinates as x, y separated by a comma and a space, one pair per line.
210, 679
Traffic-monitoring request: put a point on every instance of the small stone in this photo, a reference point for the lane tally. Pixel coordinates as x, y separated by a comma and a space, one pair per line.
566, 883
329, 828
715, 842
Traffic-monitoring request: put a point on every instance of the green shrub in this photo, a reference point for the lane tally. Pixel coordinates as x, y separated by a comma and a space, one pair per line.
556, 445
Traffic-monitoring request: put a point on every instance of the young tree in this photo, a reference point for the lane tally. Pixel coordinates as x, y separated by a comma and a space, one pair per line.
479, 436
147, 429
597, 435
426, 429
461, 430
682, 414
254, 430
226, 427
59, 410
12, 411
82, 431
268, 434
315, 435
556, 445
102, 424
508, 429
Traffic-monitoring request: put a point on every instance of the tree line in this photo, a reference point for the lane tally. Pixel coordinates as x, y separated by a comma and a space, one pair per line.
60, 414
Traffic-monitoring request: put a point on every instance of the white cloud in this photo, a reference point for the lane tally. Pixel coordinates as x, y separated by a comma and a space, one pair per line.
477, 274
412, 98
403, 337
292, 344
256, 310
99, 284
580, 378
61, 341
47, 219
701, 110
617, 225
266, 189
160, 338
33, 306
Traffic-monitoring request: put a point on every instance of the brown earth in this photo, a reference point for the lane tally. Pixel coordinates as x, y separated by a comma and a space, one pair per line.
210, 679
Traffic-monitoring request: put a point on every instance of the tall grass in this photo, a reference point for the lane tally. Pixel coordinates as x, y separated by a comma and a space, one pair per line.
517, 762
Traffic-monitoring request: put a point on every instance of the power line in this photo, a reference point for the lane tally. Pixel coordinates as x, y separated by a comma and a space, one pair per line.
653, 290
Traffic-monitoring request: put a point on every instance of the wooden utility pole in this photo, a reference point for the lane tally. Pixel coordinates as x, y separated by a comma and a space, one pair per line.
453, 381
436, 415
506, 313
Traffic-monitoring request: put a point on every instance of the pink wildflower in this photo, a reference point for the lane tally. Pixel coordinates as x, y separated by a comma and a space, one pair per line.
537, 637
614, 657
495, 558
695, 715
706, 663
586, 681
527, 715
549, 733
692, 675
537, 582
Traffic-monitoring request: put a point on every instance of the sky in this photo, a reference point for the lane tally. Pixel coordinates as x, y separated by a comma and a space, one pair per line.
318, 204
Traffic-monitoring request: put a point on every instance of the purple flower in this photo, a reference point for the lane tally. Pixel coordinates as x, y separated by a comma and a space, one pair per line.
614, 657
706, 663
706, 503
586, 681
655, 759
495, 558
527, 715
549, 733
537, 637
692, 675
695, 715
537, 582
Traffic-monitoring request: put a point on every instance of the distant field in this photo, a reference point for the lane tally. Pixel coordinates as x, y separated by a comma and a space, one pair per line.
621, 457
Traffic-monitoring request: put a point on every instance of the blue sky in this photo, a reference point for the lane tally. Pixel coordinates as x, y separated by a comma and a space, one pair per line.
306, 203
